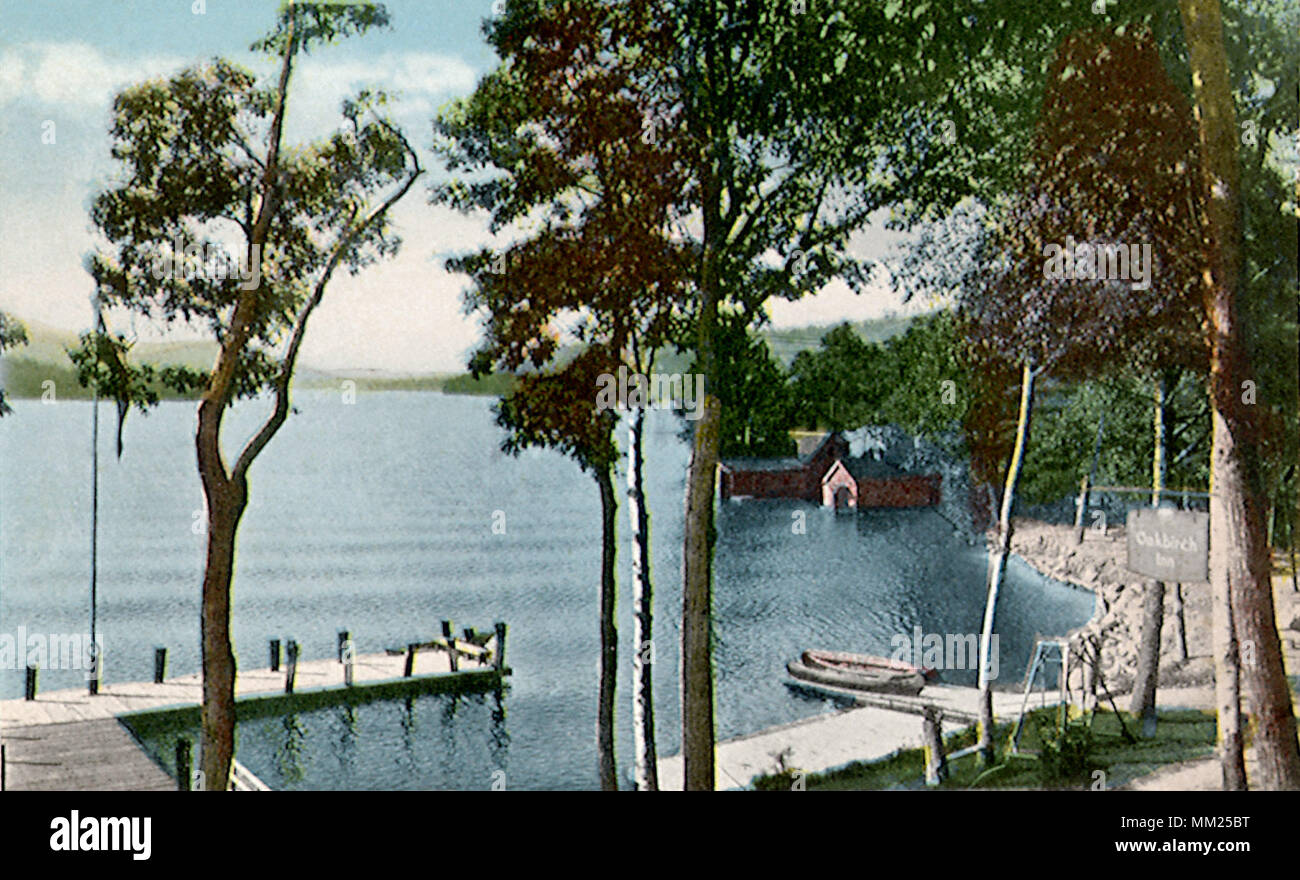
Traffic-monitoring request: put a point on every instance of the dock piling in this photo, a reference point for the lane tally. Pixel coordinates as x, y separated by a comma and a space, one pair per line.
448, 627
159, 665
275, 655
29, 692
95, 673
344, 637
183, 782
936, 765
410, 660
292, 669
501, 646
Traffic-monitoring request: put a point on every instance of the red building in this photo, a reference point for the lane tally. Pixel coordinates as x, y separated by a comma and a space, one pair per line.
858, 483
828, 476
782, 477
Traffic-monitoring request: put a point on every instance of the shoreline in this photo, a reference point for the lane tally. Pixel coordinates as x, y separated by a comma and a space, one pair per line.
1099, 566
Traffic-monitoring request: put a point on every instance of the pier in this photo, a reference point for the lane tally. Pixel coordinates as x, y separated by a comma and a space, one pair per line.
68, 740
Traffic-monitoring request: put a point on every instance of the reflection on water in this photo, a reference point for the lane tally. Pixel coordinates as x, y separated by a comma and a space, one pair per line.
434, 741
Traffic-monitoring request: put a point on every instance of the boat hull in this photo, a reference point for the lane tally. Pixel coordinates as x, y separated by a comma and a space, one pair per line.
843, 661
883, 682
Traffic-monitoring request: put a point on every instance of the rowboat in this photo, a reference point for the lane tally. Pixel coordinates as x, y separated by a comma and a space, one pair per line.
844, 660
857, 672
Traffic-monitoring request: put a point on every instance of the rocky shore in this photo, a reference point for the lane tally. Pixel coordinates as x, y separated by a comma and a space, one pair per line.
1098, 564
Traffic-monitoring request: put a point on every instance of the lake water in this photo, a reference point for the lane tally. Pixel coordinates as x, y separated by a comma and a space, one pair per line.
377, 517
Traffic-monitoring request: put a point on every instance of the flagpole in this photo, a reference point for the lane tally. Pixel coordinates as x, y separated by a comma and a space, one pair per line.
95, 659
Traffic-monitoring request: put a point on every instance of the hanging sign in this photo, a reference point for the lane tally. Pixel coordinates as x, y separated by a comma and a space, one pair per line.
1169, 544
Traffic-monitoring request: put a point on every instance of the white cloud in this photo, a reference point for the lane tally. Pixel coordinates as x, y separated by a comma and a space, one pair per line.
418, 81
73, 74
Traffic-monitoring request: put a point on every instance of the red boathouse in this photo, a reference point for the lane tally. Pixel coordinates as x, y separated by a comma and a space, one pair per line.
829, 477
782, 477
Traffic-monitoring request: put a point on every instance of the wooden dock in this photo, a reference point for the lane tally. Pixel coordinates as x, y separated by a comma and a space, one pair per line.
68, 740
94, 755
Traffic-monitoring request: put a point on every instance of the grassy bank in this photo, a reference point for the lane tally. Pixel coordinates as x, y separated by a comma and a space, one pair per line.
1047, 759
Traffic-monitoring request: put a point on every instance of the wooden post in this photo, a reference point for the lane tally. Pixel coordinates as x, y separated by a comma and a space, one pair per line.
500, 658
344, 638
275, 655
471, 636
30, 688
410, 660
1094, 673
183, 781
159, 665
96, 665
936, 763
349, 656
291, 671
453, 656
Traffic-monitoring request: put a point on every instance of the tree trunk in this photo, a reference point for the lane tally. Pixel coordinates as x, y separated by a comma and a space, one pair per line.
998, 557
701, 475
697, 602
643, 710
608, 634
1180, 624
1227, 680
1158, 452
226, 500
1239, 562
225, 495
1147, 675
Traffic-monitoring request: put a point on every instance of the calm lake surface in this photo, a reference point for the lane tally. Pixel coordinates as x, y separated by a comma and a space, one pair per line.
377, 517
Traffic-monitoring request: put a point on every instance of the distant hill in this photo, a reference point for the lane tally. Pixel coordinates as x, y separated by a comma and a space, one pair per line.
785, 344
25, 369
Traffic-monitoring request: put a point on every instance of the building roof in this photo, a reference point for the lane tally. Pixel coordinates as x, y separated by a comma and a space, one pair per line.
866, 468
763, 464
830, 436
777, 464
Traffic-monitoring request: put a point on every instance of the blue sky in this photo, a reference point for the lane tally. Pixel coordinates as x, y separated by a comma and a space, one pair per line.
61, 63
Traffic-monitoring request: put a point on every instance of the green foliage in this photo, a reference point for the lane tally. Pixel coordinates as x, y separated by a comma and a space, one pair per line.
1063, 750
494, 384
192, 153
756, 404
838, 386
1065, 429
12, 334
319, 23
919, 380
928, 381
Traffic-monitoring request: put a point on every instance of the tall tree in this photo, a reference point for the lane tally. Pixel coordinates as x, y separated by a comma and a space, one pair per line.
204, 163
556, 410
1109, 166
582, 153
1240, 564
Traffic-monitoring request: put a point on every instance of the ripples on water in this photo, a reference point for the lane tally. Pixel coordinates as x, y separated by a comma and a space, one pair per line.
376, 517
